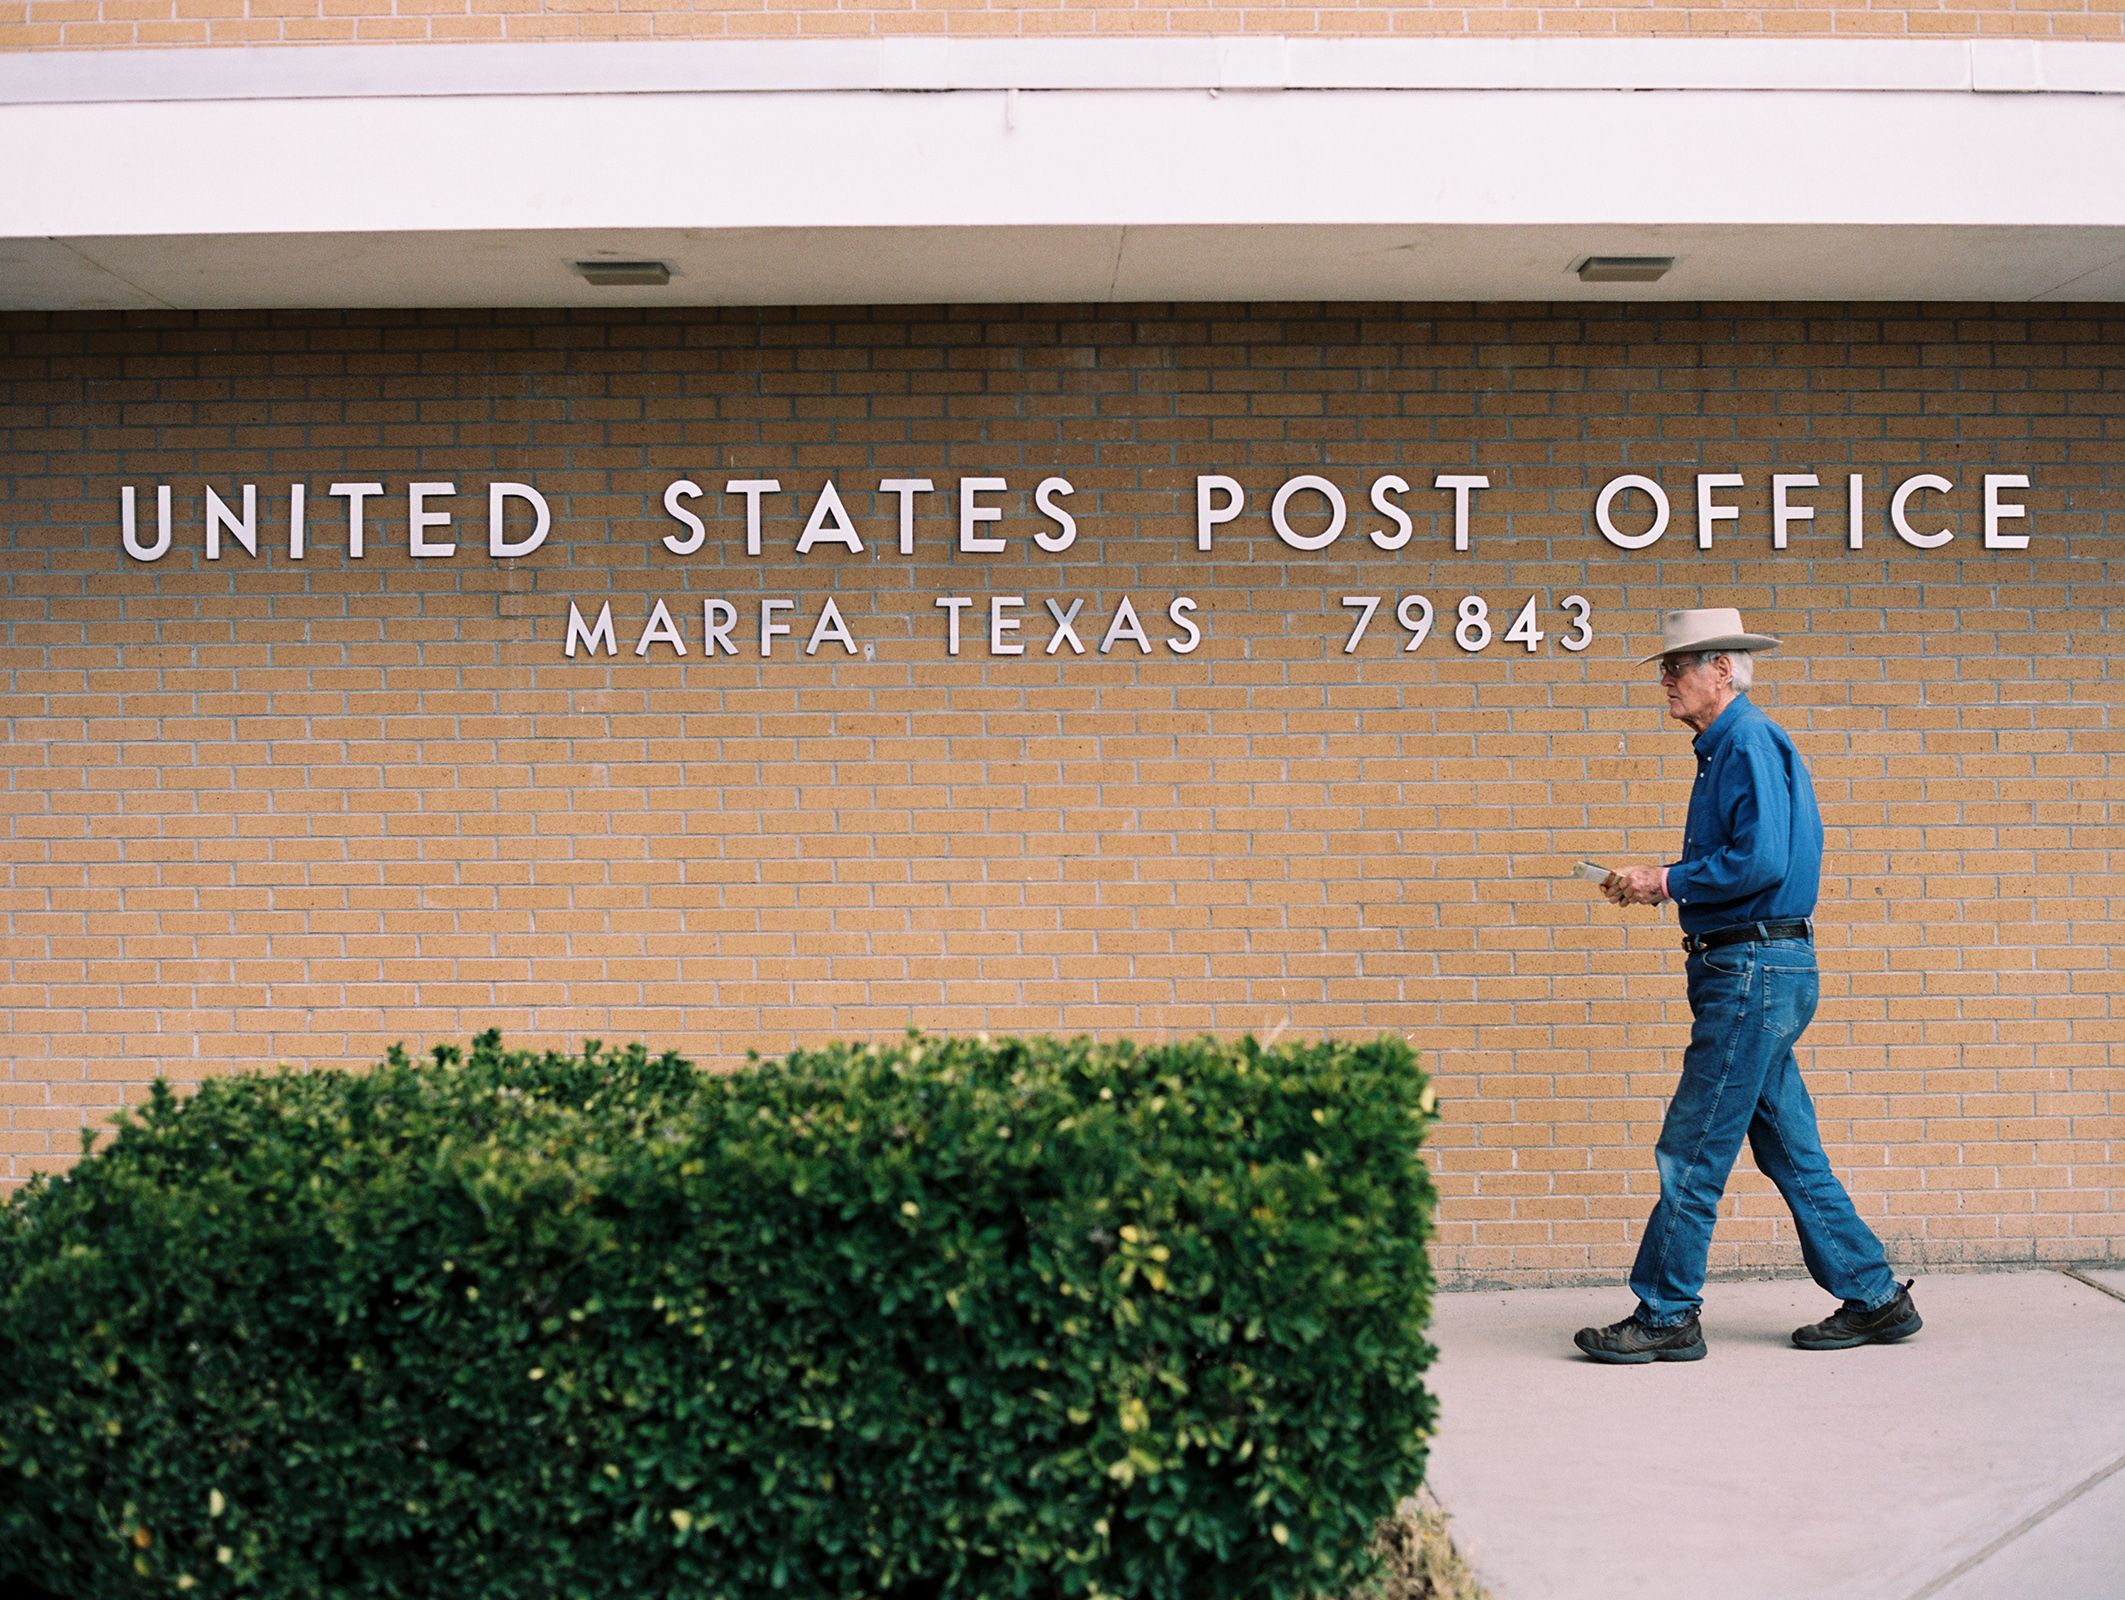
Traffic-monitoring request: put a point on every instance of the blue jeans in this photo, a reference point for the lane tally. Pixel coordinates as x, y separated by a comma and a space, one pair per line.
1751, 1002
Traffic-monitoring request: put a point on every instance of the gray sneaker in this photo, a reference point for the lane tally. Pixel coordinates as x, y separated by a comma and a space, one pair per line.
1631, 1343
1850, 1325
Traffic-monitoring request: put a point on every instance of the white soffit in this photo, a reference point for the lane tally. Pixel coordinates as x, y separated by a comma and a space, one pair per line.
893, 171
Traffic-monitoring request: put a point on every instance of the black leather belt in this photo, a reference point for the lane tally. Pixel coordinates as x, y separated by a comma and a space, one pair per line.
1750, 932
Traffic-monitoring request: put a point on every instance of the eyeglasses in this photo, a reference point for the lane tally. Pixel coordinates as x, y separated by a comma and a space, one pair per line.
1672, 668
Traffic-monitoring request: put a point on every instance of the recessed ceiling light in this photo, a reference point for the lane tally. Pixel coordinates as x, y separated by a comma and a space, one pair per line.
1624, 269
617, 274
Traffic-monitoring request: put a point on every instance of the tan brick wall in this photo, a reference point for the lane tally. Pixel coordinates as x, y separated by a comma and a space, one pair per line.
106, 24
259, 810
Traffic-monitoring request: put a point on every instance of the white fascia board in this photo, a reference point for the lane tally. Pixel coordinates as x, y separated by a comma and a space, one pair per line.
1067, 159
940, 64
1070, 169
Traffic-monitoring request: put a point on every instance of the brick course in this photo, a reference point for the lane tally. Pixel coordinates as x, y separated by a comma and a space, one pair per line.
109, 24
261, 810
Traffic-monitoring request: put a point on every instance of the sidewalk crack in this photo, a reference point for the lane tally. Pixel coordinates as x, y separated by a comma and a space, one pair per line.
2079, 1276
1971, 1563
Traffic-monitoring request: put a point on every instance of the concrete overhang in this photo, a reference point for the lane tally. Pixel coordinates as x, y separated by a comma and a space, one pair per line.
930, 170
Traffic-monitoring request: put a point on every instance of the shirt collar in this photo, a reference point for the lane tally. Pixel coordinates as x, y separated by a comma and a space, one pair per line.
1722, 725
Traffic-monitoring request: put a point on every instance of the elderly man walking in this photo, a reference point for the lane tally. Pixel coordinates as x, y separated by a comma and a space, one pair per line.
1744, 892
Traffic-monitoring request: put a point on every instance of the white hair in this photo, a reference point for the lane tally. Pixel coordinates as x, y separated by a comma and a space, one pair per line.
1741, 661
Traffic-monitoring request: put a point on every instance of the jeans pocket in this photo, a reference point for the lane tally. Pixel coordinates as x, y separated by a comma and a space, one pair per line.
1729, 960
1789, 996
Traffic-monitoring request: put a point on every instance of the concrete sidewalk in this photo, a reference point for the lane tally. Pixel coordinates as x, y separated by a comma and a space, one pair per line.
1980, 1460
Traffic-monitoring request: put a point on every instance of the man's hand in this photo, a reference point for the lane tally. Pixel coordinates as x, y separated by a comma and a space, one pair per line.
1633, 886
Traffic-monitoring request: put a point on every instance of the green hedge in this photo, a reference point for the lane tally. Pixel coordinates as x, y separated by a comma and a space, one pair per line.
940, 1317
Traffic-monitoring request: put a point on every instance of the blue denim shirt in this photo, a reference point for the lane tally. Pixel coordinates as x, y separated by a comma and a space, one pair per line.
1752, 844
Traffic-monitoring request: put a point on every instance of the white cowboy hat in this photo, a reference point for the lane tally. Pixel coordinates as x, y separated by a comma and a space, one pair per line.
1714, 628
